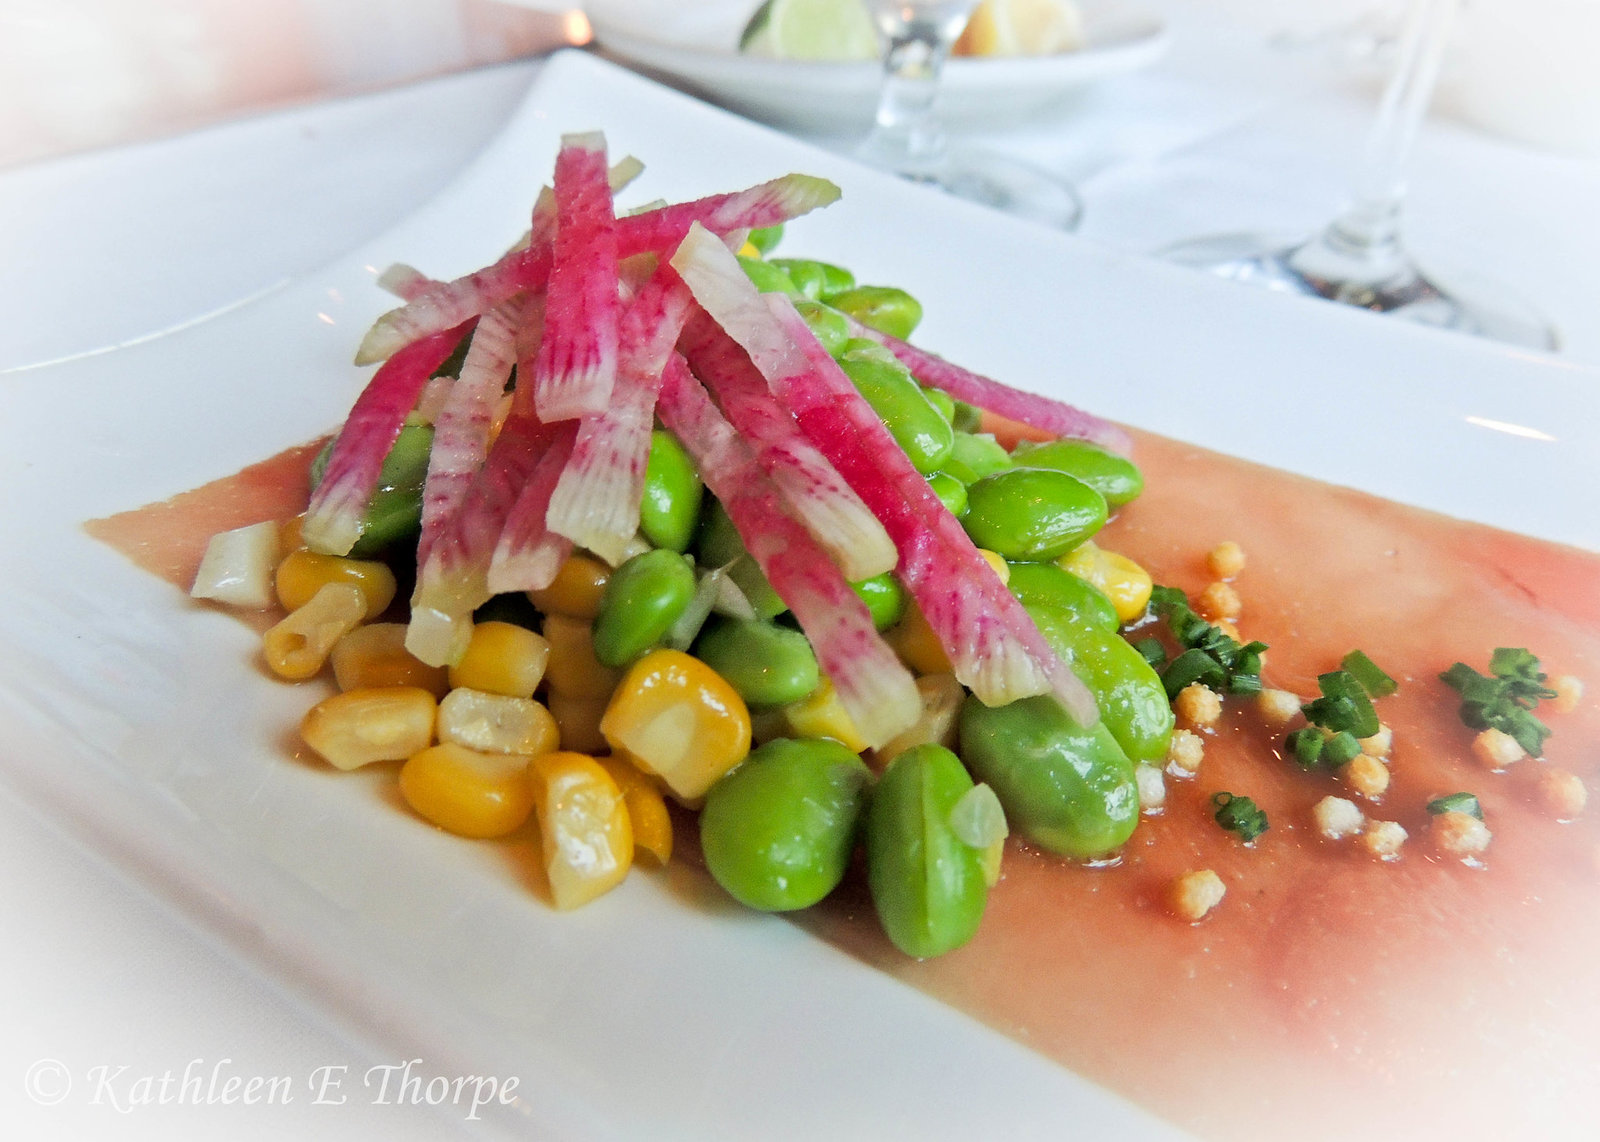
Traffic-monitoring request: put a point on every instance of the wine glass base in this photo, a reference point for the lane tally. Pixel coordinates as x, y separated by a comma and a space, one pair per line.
1403, 290
996, 181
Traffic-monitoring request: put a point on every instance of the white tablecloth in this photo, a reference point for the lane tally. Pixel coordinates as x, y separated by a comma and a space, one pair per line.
103, 248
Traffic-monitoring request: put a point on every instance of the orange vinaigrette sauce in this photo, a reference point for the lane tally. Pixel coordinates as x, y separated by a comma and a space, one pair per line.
1330, 994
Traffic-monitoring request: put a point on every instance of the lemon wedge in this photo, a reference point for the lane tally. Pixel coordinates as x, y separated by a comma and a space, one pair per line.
811, 30
1021, 28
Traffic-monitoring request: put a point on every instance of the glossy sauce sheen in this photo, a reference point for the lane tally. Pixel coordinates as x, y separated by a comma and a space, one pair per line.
1330, 995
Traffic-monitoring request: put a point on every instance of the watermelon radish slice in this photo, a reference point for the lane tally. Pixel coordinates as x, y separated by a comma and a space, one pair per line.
873, 686
596, 502
1054, 417
447, 304
577, 363
819, 496
333, 517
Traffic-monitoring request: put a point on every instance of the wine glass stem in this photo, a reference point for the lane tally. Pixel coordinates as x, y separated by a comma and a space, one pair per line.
906, 135
1369, 228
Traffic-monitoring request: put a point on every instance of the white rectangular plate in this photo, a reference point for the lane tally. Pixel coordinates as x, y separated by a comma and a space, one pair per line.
142, 724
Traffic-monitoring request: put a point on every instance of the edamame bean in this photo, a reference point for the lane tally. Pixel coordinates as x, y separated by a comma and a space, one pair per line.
1132, 701
777, 832
884, 308
951, 492
719, 545
1067, 789
766, 238
1032, 514
1115, 477
642, 599
903, 407
768, 278
885, 598
395, 511
670, 509
974, 456
815, 279
769, 665
828, 325
1045, 584
942, 401
927, 884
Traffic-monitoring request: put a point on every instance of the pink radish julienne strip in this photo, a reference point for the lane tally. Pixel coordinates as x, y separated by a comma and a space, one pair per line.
1016, 404
577, 362
446, 304
461, 431
875, 689
333, 518
994, 647
819, 496
596, 503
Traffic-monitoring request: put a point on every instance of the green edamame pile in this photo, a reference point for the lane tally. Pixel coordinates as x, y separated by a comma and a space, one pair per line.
928, 817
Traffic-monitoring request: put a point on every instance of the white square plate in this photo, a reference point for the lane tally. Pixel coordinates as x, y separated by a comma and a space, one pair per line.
141, 723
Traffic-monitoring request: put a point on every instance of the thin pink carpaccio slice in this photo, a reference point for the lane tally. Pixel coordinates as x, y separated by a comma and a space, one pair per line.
1055, 417
577, 364
333, 518
446, 304
874, 687
596, 503
819, 496
462, 430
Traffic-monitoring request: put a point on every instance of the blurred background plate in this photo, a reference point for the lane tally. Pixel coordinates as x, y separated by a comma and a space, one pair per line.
695, 47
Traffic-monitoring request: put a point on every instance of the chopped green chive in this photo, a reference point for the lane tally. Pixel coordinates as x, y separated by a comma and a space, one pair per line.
1373, 680
1456, 803
1505, 698
1239, 815
1344, 706
1209, 655
1306, 745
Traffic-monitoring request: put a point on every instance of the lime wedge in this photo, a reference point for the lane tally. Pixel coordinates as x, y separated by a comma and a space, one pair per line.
811, 29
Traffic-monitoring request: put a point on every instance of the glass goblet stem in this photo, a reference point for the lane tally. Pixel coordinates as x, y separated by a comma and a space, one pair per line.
1362, 246
907, 136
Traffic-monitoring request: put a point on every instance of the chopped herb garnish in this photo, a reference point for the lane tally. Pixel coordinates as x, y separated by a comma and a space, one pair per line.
1456, 803
1505, 698
1340, 749
1239, 815
1151, 650
1343, 707
1209, 655
1306, 745
1373, 680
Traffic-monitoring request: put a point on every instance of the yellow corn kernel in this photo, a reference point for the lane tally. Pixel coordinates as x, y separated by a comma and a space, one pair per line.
1119, 578
468, 793
502, 658
647, 810
574, 670
583, 825
576, 589
680, 719
990, 860
748, 250
299, 644
301, 574
376, 655
290, 533
382, 723
822, 715
998, 562
916, 644
941, 698
496, 723
578, 720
